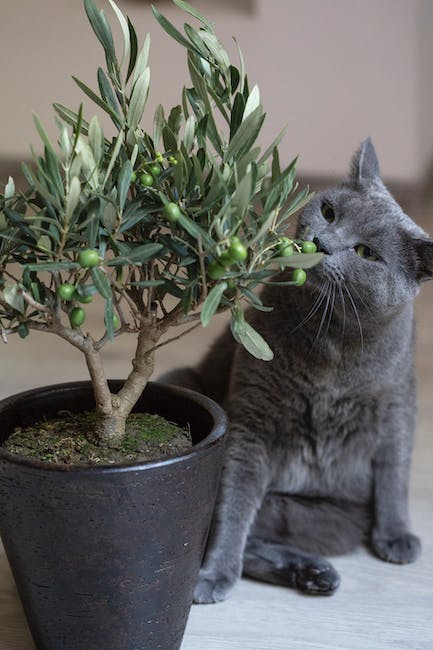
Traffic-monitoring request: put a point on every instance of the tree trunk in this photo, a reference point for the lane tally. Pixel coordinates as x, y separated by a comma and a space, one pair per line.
110, 429
113, 410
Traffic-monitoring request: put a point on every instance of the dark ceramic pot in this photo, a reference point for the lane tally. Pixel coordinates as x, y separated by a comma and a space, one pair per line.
106, 558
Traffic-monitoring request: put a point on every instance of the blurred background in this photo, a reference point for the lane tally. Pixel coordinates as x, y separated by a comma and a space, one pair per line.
333, 71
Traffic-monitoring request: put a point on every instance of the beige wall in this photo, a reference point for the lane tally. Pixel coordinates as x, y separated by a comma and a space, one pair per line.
333, 70
425, 83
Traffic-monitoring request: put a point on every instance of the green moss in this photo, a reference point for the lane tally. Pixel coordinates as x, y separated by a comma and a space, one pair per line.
69, 438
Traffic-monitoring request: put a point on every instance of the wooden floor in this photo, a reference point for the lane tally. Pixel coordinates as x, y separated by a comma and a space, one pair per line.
378, 606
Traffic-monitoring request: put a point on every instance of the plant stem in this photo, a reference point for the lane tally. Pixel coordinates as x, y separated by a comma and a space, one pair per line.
99, 383
143, 365
114, 409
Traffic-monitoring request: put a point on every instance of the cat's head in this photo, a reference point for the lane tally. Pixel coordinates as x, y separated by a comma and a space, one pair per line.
371, 246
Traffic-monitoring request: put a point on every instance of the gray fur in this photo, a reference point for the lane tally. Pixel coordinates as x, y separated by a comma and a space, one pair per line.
318, 456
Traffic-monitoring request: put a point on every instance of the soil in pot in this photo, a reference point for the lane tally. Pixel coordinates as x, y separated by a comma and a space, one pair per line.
68, 438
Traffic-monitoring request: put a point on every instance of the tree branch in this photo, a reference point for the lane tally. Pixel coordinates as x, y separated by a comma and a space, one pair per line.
174, 338
143, 365
72, 336
98, 345
99, 383
35, 304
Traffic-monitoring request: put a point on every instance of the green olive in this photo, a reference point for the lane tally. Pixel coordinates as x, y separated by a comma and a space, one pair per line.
285, 247
225, 259
287, 251
155, 170
237, 250
215, 271
77, 317
172, 211
88, 258
146, 180
66, 291
84, 293
309, 247
299, 277
133, 177
84, 299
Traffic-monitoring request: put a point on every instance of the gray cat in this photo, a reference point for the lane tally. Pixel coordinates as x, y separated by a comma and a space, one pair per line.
317, 459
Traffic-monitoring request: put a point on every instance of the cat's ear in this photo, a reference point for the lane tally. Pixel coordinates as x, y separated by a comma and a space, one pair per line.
364, 168
424, 259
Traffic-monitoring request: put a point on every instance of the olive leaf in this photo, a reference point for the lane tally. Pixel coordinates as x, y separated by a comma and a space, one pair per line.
246, 134
125, 31
247, 336
252, 103
109, 318
109, 97
211, 303
73, 197
138, 99
14, 297
98, 100
137, 255
299, 260
9, 188
185, 6
96, 139
102, 283
100, 27
190, 126
123, 183
142, 60
133, 47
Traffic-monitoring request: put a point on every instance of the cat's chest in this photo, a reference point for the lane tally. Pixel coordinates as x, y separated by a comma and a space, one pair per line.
328, 449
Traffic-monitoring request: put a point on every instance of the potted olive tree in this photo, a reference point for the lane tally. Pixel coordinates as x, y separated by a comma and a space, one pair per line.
161, 229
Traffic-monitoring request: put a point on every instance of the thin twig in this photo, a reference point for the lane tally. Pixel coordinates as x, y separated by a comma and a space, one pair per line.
175, 338
98, 345
35, 304
12, 277
73, 337
124, 293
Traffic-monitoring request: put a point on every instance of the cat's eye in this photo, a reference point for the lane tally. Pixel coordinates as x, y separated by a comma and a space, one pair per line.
366, 253
327, 212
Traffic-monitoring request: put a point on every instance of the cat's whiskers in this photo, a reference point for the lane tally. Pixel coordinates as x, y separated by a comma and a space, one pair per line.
343, 306
331, 310
360, 298
327, 296
316, 306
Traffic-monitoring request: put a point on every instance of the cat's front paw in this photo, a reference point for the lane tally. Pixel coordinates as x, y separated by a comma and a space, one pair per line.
213, 587
402, 549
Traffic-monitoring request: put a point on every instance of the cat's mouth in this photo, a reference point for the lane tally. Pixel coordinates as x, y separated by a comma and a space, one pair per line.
327, 268
321, 248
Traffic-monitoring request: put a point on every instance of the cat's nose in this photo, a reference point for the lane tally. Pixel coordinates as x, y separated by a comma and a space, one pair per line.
321, 248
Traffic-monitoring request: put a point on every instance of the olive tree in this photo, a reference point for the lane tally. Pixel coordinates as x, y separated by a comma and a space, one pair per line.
166, 228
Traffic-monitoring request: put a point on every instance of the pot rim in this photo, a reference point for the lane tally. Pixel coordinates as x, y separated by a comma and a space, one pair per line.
219, 427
